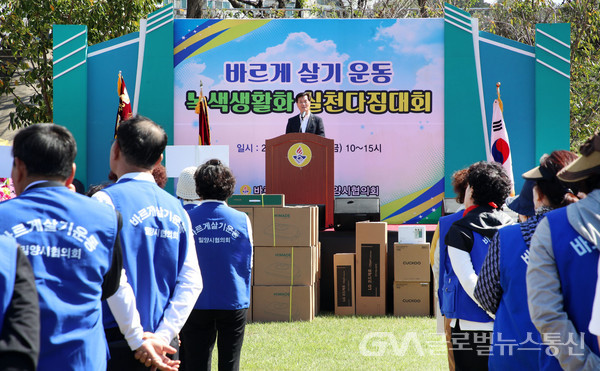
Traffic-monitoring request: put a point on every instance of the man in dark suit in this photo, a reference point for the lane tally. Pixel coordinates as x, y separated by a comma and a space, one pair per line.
305, 122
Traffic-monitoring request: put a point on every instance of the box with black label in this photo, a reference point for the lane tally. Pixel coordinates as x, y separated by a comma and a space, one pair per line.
371, 262
411, 262
411, 298
344, 284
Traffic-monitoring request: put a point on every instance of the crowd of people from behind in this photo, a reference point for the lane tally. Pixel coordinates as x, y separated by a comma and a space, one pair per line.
522, 293
111, 280
130, 277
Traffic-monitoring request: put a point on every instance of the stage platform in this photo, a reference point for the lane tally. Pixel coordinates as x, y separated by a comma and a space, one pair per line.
333, 242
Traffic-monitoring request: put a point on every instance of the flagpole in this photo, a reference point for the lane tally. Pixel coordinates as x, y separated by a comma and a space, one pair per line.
140, 65
499, 100
475, 33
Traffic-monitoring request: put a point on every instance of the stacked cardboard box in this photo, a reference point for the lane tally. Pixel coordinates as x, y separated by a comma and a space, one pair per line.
286, 263
411, 279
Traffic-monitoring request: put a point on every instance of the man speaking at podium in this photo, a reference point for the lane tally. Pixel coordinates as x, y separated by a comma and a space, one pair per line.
305, 122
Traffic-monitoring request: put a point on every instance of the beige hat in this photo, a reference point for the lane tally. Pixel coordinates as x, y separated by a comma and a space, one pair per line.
586, 165
540, 172
186, 185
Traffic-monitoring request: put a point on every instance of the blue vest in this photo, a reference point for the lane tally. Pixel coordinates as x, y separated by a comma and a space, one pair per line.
69, 240
154, 239
455, 302
8, 272
445, 223
224, 254
577, 265
515, 337
188, 207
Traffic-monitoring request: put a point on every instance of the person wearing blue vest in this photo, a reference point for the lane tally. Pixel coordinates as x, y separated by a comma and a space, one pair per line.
467, 245
501, 287
71, 243
562, 270
224, 244
459, 184
159, 254
19, 309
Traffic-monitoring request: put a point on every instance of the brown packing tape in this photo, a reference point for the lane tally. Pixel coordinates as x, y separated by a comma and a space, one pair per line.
291, 294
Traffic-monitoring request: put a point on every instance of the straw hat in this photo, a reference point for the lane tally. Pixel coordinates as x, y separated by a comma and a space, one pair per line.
586, 165
186, 185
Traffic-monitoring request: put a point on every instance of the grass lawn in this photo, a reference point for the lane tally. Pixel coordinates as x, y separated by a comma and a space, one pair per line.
338, 343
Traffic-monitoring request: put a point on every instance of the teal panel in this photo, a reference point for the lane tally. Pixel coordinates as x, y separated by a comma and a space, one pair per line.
105, 60
156, 89
463, 129
513, 65
552, 84
70, 88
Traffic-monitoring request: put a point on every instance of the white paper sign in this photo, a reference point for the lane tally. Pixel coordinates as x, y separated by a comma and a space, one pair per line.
180, 157
6, 161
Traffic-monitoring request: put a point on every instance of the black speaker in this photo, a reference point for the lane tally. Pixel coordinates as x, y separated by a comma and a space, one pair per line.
349, 210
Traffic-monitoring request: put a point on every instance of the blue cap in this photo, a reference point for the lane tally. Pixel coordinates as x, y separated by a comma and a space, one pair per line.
523, 203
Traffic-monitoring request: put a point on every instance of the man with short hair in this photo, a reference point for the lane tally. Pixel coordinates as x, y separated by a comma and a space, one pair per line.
72, 244
305, 122
159, 254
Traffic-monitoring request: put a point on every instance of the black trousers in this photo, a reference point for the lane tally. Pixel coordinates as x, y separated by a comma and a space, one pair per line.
122, 358
201, 330
471, 349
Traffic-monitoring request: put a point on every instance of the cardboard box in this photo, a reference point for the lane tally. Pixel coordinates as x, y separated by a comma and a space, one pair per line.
294, 226
285, 265
411, 234
344, 284
371, 263
411, 298
248, 211
256, 200
249, 313
317, 292
411, 262
283, 303
318, 261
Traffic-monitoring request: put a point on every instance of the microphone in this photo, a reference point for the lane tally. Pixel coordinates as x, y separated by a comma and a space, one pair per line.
302, 115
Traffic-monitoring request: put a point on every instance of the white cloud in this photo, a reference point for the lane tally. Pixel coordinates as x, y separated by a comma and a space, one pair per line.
417, 37
189, 74
299, 46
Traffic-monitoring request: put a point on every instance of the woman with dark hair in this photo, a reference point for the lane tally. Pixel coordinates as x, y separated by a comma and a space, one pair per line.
501, 287
467, 245
223, 238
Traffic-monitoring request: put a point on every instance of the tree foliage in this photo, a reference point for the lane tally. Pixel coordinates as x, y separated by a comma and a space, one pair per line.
26, 40
516, 20
26, 44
